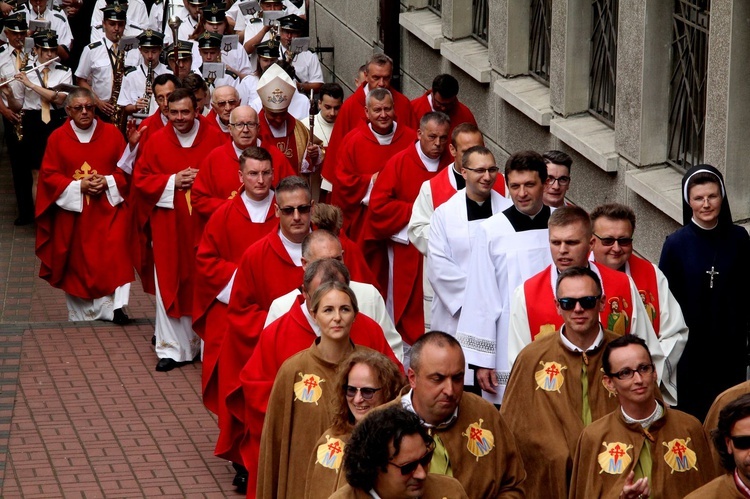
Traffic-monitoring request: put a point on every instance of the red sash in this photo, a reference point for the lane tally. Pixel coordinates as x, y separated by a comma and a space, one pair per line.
540, 304
644, 275
542, 312
441, 188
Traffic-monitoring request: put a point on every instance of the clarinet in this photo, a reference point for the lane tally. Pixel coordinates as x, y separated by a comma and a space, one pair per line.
118, 116
147, 93
18, 127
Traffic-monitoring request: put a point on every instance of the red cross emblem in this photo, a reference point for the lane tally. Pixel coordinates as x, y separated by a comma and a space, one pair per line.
616, 452
679, 449
334, 448
476, 434
552, 371
310, 383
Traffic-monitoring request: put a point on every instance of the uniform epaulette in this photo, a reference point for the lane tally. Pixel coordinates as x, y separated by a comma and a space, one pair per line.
2, 48
230, 73
130, 69
60, 16
57, 8
60, 66
136, 27
92, 46
27, 68
256, 20
158, 2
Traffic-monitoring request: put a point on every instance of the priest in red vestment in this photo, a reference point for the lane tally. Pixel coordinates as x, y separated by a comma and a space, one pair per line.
224, 99
217, 178
363, 155
233, 228
82, 225
268, 269
378, 74
396, 262
442, 97
163, 176
281, 129
138, 135
291, 333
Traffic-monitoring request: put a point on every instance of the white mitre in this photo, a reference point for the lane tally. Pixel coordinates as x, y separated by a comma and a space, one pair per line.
276, 89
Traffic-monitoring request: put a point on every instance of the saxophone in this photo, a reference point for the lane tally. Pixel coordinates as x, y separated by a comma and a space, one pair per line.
18, 127
147, 93
118, 72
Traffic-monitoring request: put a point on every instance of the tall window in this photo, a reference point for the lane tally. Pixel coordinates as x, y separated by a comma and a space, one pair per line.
436, 6
687, 107
603, 73
541, 27
480, 16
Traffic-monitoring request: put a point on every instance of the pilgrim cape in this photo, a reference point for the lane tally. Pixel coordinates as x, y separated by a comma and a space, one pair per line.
435, 487
722, 487
543, 406
680, 453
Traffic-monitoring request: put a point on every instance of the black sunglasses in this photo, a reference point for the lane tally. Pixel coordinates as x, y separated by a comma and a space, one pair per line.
741, 443
303, 209
367, 393
587, 302
610, 241
411, 467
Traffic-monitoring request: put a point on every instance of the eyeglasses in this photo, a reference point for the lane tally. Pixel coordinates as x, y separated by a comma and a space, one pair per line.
587, 302
411, 467
481, 171
610, 241
628, 373
223, 103
78, 109
561, 180
303, 209
255, 175
366, 392
741, 442
244, 125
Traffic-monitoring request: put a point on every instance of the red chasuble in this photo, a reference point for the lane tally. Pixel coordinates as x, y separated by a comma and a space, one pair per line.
84, 254
265, 272
461, 113
289, 334
171, 229
293, 146
391, 202
228, 234
351, 115
644, 275
442, 189
218, 180
143, 255
355, 261
213, 120
540, 300
360, 157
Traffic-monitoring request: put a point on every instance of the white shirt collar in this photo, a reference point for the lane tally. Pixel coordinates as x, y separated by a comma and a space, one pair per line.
310, 320
224, 128
84, 136
257, 209
429, 163
384, 140
406, 403
187, 139
293, 249
573, 348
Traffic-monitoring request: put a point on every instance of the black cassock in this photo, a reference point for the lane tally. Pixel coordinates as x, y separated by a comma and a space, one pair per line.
709, 274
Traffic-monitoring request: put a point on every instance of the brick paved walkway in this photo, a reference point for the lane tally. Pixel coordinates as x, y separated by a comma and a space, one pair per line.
83, 413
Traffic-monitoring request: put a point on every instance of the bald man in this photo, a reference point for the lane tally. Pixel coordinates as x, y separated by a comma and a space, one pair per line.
223, 101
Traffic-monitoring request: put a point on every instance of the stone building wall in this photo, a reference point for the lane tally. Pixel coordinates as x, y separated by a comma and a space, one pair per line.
624, 164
